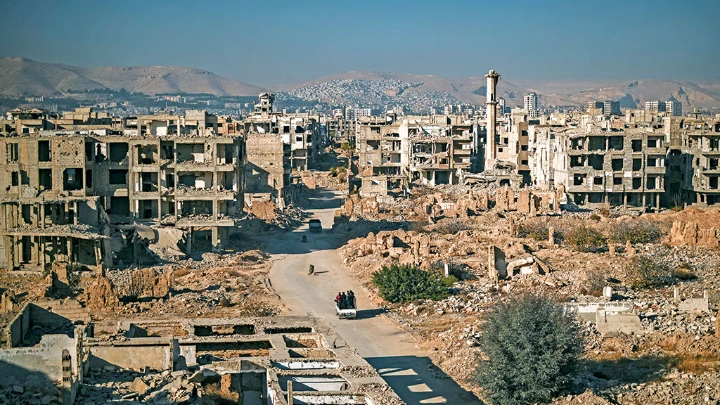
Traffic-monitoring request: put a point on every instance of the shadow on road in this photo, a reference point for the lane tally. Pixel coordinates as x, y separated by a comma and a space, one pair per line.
418, 381
368, 313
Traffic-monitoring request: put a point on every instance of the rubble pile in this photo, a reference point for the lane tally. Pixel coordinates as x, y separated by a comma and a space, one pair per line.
169, 387
453, 229
47, 394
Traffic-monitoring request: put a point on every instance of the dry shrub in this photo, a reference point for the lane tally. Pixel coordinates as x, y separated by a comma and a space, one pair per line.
537, 230
585, 239
215, 395
594, 283
684, 273
452, 226
644, 272
636, 232
695, 363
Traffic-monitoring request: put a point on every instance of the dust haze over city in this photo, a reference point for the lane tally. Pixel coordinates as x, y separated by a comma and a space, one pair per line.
377, 203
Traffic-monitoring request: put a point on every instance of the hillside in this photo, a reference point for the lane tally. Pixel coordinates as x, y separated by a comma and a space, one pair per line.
359, 87
20, 76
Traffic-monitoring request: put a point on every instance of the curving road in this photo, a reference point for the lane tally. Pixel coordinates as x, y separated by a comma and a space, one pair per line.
386, 347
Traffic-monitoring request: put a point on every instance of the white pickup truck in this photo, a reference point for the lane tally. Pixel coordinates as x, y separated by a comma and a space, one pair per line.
348, 313
346, 310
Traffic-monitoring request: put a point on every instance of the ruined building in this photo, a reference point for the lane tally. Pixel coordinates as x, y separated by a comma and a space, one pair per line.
84, 199
278, 144
427, 150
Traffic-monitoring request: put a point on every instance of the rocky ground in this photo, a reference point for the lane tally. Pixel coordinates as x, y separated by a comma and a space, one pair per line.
674, 360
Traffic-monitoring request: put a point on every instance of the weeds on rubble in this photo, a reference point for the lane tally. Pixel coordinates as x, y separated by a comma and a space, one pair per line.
643, 272
452, 226
636, 232
531, 346
594, 283
404, 283
215, 395
537, 230
585, 239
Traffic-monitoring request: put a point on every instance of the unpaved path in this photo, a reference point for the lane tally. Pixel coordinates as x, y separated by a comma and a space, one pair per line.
392, 351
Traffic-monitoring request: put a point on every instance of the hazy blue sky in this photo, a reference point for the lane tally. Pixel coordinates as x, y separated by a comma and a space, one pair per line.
270, 42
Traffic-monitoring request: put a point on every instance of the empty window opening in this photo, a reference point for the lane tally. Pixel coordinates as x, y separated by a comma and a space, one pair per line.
148, 182
15, 178
120, 206
617, 164
88, 178
598, 181
45, 179
651, 183
118, 151
12, 152
596, 161
637, 145
44, 153
637, 164
713, 183
596, 143
617, 181
72, 179
636, 183
118, 177
146, 154
616, 142
579, 179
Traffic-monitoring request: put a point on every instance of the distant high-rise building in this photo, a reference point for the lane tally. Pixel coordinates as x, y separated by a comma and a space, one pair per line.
673, 108
531, 102
655, 105
594, 104
611, 108
355, 113
501, 105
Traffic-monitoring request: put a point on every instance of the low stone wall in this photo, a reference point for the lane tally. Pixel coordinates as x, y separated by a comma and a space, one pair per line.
135, 354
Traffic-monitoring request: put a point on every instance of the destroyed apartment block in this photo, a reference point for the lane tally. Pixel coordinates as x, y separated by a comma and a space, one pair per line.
413, 149
279, 145
72, 198
279, 361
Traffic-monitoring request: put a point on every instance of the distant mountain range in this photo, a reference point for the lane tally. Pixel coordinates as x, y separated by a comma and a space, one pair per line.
20, 76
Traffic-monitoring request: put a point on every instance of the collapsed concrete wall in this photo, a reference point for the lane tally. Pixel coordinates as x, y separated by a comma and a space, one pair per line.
691, 234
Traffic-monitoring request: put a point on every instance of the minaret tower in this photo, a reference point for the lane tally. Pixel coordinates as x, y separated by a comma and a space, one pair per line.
490, 149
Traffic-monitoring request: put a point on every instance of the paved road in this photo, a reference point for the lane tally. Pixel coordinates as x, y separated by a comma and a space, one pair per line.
386, 347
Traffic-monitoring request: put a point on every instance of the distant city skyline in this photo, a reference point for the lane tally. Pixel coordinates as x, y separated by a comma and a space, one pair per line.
290, 42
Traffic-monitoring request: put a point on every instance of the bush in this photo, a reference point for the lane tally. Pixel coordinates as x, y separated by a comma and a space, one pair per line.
536, 230
584, 239
403, 283
531, 345
644, 272
685, 273
594, 283
347, 146
636, 232
452, 226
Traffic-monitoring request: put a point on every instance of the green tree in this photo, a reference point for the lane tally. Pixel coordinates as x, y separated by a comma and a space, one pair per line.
403, 283
531, 345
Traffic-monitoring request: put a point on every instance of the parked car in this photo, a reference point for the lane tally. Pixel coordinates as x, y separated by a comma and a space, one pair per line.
315, 225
